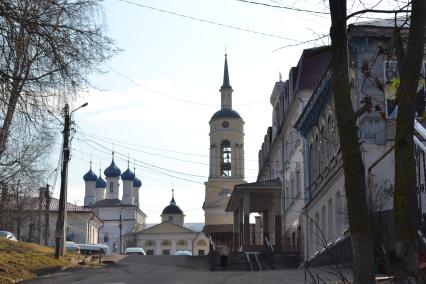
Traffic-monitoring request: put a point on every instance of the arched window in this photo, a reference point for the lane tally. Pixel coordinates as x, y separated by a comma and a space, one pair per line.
166, 243
201, 243
323, 234
111, 187
338, 212
330, 220
317, 238
226, 157
181, 243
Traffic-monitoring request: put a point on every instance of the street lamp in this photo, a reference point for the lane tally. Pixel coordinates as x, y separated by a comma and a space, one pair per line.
61, 223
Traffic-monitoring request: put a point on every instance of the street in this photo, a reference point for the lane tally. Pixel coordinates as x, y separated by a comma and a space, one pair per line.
174, 269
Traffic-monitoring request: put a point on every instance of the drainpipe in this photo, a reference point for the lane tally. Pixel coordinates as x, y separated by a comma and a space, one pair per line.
370, 169
88, 226
99, 229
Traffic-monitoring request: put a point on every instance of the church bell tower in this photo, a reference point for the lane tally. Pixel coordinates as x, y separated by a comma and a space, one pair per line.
226, 164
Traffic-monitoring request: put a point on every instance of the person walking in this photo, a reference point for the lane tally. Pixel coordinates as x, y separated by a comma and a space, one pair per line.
224, 253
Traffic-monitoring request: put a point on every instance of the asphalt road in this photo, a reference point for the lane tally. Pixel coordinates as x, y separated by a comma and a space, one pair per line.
173, 269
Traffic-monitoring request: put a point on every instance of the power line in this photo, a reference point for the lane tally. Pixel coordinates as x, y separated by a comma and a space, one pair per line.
284, 7
207, 21
121, 143
168, 96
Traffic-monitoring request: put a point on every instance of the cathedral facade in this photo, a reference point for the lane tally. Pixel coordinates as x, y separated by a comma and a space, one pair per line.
121, 217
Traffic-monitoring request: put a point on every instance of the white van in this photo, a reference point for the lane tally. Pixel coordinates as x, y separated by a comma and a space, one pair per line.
134, 251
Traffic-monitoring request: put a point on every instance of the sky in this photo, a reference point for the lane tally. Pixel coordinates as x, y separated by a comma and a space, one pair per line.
154, 101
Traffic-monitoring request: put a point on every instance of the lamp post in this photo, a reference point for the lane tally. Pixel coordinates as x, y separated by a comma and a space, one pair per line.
61, 223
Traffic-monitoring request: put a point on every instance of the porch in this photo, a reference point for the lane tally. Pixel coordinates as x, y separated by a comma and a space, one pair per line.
264, 198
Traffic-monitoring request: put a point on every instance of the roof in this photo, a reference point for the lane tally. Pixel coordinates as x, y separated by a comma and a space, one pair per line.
127, 175
137, 182
153, 228
263, 183
268, 189
54, 206
225, 113
100, 182
114, 202
172, 209
197, 227
90, 176
312, 110
112, 170
311, 67
384, 23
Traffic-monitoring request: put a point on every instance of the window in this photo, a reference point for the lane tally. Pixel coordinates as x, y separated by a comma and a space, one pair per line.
150, 252
150, 243
201, 252
111, 187
170, 218
166, 243
330, 219
166, 252
225, 147
181, 243
201, 243
106, 238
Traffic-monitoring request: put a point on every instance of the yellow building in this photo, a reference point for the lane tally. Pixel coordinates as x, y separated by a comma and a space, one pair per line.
226, 165
172, 235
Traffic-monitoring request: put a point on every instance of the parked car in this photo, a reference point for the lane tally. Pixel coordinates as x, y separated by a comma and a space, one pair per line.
134, 251
94, 249
183, 252
8, 235
72, 247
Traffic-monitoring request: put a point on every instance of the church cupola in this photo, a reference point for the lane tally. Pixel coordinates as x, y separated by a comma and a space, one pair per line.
137, 183
90, 182
172, 213
226, 89
112, 174
128, 177
100, 187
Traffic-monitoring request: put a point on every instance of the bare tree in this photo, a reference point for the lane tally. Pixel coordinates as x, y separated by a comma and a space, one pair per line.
353, 165
406, 214
47, 49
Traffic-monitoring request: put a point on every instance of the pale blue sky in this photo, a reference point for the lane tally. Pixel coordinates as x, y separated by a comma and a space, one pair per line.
183, 59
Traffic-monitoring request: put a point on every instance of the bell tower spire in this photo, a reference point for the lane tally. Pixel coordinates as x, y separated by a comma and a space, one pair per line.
226, 89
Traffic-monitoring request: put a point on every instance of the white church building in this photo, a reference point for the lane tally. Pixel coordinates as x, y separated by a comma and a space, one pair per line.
121, 217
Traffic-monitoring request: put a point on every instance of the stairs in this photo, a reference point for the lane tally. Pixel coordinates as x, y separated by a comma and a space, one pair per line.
238, 262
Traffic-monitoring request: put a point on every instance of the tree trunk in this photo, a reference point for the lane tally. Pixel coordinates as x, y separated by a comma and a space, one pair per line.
406, 211
353, 165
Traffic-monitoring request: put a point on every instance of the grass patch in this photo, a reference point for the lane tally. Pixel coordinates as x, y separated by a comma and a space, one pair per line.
21, 260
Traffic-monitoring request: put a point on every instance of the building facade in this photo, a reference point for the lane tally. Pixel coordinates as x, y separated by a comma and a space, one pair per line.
373, 73
172, 234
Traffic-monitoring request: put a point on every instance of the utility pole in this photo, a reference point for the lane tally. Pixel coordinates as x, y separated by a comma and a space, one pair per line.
46, 216
60, 232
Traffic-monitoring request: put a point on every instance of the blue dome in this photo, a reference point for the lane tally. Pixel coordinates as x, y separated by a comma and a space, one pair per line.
100, 183
127, 175
112, 170
137, 182
90, 176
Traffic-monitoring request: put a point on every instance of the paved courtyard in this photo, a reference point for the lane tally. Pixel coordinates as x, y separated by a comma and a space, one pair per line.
175, 269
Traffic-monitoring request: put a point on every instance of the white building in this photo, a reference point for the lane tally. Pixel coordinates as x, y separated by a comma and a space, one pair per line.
121, 217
